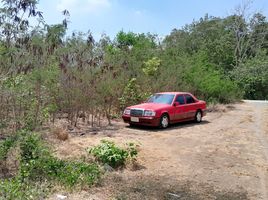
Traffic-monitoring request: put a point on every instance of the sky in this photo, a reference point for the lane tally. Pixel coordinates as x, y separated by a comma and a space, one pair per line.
139, 16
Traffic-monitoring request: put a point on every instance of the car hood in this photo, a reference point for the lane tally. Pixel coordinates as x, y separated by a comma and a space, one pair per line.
150, 106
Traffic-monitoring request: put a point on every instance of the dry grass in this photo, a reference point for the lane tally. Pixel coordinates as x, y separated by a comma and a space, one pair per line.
60, 133
10, 166
219, 108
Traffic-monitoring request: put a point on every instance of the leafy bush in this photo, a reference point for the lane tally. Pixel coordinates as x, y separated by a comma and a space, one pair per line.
66, 173
108, 153
38, 163
6, 145
151, 67
15, 189
132, 150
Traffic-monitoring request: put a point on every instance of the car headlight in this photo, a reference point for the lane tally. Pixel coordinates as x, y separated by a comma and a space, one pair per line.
127, 111
149, 113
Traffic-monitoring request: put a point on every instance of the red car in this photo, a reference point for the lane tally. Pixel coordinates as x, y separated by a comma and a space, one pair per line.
166, 108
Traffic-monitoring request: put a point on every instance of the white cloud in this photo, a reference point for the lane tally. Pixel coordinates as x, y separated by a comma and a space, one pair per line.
82, 6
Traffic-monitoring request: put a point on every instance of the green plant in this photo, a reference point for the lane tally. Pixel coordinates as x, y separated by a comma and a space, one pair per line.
66, 173
151, 66
15, 189
78, 173
131, 95
132, 150
37, 163
108, 153
6, 145
38, 167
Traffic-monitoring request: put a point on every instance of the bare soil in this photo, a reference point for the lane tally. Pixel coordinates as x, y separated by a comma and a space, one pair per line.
225, 157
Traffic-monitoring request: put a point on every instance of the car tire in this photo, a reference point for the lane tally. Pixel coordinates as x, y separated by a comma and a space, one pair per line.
198, 116
164, 121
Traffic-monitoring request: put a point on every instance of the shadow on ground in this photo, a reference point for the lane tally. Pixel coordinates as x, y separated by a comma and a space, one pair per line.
166, 189
171, 126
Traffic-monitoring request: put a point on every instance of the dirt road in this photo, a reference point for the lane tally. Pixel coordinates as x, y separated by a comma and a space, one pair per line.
224, 157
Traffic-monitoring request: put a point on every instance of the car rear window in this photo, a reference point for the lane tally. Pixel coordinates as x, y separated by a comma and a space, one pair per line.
189, 99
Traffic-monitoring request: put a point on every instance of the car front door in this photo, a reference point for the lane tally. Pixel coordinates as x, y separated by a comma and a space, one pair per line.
180, 108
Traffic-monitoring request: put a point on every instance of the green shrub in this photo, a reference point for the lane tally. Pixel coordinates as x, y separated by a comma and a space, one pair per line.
38, 167
6, 145
11, 189
78, 173
37, 163
66, 173
32, 147
132, 150
108, 153
70, 173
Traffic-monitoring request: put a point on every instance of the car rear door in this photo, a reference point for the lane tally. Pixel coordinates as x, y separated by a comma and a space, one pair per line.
190, 106
180, 113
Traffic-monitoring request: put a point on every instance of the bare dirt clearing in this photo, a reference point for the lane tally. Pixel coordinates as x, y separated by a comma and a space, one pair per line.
224, 157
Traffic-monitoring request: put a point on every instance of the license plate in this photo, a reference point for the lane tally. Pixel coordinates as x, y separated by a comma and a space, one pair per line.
134, 119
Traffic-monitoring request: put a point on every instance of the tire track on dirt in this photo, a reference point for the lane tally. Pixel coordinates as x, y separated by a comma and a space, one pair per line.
260, 135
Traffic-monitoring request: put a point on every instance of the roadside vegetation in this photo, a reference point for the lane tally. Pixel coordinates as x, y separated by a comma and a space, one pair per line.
29, 169
108, 153
46, 75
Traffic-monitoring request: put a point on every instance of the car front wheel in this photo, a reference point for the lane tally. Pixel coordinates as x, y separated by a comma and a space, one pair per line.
164, 121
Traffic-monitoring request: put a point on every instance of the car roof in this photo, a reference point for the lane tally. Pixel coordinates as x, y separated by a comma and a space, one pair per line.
173, 93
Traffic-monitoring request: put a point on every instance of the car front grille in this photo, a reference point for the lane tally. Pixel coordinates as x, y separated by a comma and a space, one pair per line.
136, 112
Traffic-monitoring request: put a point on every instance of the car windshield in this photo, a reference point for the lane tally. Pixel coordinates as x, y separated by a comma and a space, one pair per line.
161, 98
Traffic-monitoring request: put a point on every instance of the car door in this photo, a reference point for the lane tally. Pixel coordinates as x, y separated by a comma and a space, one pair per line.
190, 106
180, 109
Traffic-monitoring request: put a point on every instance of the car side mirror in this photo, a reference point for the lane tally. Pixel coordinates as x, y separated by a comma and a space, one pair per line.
176, 104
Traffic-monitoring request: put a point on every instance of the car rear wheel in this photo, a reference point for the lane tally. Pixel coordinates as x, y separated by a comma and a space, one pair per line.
164, 121
198, 116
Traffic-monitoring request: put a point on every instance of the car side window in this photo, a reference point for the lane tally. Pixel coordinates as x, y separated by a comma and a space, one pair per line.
180, 99
189, 99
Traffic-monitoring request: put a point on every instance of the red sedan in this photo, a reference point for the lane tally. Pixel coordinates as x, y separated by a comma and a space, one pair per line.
166, 108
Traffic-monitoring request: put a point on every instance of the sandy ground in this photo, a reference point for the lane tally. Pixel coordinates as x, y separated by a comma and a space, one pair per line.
225, 157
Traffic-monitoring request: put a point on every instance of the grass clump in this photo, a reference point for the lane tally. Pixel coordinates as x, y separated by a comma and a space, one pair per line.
108, 153
60, 133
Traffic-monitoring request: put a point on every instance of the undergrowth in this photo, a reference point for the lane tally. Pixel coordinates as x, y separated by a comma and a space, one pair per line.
108, 153
39, 170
